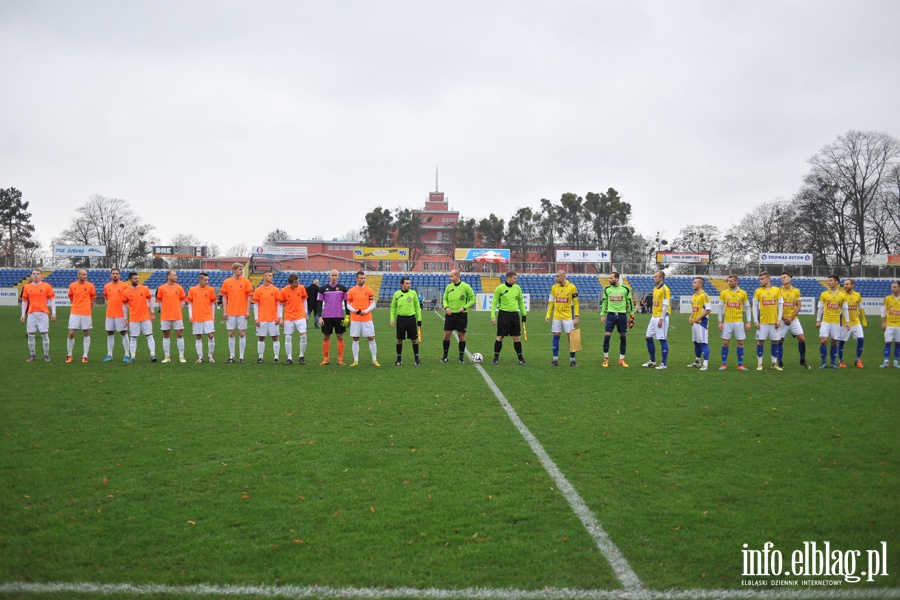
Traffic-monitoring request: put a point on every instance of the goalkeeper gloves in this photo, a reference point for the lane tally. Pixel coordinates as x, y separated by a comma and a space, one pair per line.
631, 322
347, 321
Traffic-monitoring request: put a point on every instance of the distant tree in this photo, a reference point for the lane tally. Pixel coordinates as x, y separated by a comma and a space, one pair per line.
610, 223
276, 235
490, 231
521, 235
110, 222
698, 238
213, 250
464, 237
546, 231
410, 232
185, 239
15, 225
238, 250
378, 231
351, 235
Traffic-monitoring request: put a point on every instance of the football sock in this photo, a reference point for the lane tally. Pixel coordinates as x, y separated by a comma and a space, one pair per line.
664, 344
833, 353
415, 351
151, 343
86, 345
697, 350
326, 346
705, 350
231, 347
571, 356
606, 345
556, 345
180, 343
859, 348
355, 349
518, 348
446, 347
373, 348
340, 349
31, 345
740, 354
45, 341
498, 345
212, 346
759, 353
243, 345
896, 351
276, 347
399, 351
167, 345
70, 344
622, 346
198, 346
651, 348
462, 349
724, 354
126, 343
260, 349
288, 345
841, 350
801, 347
302, 345
132, 347
110, 344
823, 351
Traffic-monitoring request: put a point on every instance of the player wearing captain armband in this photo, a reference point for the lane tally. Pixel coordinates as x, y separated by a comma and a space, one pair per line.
562, 307
734, 304
699, 320
768, 307
659, 322
857, 322
832, 306
890, 325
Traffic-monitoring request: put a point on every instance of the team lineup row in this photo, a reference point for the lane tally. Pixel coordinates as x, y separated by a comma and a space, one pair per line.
335, 309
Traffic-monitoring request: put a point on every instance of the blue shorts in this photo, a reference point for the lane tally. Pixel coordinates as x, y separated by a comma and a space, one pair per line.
617, 320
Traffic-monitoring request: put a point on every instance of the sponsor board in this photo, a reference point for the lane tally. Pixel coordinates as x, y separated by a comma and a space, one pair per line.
179, 251
64, 251
9, 297
583, 256
780, 258
281, 251
370, 253
670, 258
473, 253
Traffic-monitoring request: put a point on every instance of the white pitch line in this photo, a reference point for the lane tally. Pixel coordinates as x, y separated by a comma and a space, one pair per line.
622, 570
292, 591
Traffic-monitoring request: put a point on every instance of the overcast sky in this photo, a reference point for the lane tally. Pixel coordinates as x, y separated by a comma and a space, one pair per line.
229, 119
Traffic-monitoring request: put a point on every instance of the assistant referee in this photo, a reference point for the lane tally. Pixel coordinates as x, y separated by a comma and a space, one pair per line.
406, 312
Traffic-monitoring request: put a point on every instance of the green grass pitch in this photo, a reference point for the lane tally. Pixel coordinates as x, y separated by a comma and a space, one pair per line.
415, 476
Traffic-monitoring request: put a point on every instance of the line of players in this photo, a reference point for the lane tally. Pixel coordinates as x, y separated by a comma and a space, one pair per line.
129, 311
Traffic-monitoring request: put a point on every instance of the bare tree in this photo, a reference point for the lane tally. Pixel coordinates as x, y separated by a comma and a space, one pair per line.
351, 235
276, 235
110, 222
238, 250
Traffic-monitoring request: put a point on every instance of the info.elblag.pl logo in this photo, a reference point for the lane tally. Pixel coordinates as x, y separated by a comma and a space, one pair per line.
813, 560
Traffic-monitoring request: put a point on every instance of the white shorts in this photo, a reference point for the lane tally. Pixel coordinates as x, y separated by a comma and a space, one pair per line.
699, 333
831, 330
793, 327
136, 328
768, 331
116, 324
558, 326
267, 328
83, 322
362, 329
892, 334
203, 327
291, 326
236, 322
658, 332
856, 332
167, 325
734, 328
37, 321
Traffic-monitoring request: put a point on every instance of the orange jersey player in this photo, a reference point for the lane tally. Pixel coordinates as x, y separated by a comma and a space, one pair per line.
114, 294
38, 309
295, 301
82, 295
268, 307
138, 308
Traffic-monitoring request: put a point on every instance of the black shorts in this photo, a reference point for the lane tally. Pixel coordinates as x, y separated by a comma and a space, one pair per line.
456, 322
508, 323
407, 329
617, 320
335, 324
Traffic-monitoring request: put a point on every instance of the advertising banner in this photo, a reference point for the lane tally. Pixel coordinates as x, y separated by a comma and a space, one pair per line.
483, 302
281, 251
179, 251
70, 251
473, 253
368, 253
669, 258
583, 256
780, 258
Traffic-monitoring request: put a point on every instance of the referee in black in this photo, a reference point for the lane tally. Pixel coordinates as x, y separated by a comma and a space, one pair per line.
406, 312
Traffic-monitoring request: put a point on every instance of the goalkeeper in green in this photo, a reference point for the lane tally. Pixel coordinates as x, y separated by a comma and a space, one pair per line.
506, 308
406, 313
617, 312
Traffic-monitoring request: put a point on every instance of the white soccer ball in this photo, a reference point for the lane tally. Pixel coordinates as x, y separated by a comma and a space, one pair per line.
477, 358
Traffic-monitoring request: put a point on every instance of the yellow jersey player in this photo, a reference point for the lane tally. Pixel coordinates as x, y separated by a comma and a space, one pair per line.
791, 318
699, 320
890, 325
857, 322
658, 327
562, 306
832, 306
734, 304
768, 306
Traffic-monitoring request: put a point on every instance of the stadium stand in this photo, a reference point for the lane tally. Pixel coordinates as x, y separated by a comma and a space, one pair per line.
13, 277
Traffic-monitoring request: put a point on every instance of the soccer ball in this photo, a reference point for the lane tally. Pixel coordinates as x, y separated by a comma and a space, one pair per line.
477, 358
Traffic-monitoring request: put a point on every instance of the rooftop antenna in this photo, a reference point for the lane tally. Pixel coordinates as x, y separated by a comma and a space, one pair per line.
436, 188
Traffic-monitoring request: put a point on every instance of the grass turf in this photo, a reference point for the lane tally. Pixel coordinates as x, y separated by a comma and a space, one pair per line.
241, 474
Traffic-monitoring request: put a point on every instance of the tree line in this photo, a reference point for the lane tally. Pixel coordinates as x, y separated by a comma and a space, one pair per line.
847, 207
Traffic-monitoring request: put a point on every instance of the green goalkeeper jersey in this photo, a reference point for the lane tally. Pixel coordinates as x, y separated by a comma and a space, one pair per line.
406, 304
459, 295
617, 299
508, 298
